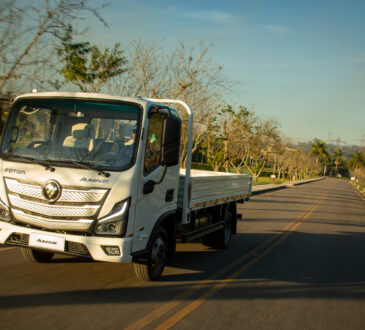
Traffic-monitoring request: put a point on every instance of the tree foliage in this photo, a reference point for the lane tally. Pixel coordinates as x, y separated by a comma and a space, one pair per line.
28, 31
319, 150
357, 160
37, 47
237, 139
338, 159
87, 66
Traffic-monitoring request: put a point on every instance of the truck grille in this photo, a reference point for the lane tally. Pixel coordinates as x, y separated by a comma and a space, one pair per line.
53, 210
52, 224
75, 210
68, 195
77, 249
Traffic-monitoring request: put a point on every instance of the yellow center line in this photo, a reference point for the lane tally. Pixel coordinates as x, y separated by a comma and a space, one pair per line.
222, 283
165, 308
157, 313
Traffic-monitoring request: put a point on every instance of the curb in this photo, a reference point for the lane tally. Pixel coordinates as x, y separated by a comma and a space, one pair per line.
289, 184
265, 190
362, 194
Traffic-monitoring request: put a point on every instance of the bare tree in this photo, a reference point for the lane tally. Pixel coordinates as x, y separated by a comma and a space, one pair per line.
239, 130
265, 136
187, 73
27, 34
295, 163
275, 158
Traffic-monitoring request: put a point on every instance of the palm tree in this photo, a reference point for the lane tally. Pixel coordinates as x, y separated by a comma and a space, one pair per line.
338, 157
319, 149
357, 160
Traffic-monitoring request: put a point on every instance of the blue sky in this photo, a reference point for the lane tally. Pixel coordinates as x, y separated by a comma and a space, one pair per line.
301, 62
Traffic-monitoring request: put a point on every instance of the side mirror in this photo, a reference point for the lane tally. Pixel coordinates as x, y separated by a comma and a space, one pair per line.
148, 187
171, 141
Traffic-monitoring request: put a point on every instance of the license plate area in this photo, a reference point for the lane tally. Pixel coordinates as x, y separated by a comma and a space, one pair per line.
48, 242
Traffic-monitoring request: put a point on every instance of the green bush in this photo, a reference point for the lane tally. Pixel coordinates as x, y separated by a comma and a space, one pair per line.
199, 166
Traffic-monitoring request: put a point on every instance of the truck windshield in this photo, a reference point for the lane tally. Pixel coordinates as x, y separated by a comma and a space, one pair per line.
67, 131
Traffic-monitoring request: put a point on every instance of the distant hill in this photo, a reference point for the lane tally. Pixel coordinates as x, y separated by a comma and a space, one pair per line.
347, 150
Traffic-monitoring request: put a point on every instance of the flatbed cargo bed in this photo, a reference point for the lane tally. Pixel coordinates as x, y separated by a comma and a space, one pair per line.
213, 188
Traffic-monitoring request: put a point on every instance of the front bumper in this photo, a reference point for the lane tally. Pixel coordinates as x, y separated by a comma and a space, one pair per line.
87, 246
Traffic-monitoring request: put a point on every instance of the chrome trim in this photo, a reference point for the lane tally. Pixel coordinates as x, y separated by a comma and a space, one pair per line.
51, 190
78, 225
68, 195
53, 210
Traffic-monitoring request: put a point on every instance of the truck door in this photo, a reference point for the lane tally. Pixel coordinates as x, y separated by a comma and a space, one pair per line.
152, 204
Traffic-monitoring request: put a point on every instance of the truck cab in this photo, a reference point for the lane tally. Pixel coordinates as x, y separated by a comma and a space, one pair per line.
87, 174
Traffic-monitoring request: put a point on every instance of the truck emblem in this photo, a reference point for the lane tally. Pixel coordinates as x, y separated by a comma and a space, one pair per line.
51, 190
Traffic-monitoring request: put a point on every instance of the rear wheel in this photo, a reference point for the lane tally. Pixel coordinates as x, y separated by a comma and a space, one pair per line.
152, 268
33, 256
221, 238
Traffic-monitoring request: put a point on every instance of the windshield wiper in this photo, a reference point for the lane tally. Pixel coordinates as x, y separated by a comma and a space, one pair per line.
32, 160
89, 167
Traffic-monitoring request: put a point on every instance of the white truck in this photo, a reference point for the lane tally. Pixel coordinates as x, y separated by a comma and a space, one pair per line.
99, 176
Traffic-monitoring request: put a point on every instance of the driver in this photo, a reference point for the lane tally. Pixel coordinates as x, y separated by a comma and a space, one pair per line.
133, 138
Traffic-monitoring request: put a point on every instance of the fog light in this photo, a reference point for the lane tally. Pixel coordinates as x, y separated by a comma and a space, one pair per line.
111, 227
111, 250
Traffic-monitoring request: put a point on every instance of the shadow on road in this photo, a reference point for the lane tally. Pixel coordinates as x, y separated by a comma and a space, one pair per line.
320, 266
314, 261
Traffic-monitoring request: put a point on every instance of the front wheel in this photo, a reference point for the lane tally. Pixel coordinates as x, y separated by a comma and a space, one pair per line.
35, 256
152, 268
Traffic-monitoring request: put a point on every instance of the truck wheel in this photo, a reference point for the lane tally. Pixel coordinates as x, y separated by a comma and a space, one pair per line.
31, 255
152, 268
222, 238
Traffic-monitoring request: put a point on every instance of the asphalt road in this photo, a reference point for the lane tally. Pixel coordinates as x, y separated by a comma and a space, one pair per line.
297, 262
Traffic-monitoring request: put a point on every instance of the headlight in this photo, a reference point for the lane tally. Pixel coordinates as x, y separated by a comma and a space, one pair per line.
4, 212
115, 223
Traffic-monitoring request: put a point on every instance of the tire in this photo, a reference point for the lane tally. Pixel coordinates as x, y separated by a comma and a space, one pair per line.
152, 268
35, 256
221, 238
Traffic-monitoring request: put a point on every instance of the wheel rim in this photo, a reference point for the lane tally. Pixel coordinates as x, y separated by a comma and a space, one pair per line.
158, 256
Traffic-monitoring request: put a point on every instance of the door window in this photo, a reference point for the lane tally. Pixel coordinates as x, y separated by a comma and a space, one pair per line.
152, 156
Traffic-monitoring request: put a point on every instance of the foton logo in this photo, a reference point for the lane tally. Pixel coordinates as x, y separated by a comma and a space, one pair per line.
14, 171
51, 190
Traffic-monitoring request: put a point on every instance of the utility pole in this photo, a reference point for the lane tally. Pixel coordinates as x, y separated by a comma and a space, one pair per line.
338, 142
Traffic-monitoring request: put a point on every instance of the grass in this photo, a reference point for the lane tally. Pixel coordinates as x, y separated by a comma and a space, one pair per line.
267, 180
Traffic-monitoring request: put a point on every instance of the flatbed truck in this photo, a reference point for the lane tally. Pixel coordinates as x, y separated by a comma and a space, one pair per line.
98, 176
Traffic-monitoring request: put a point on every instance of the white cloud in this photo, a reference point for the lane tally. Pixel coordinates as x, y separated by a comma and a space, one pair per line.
214, 16
277, 29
